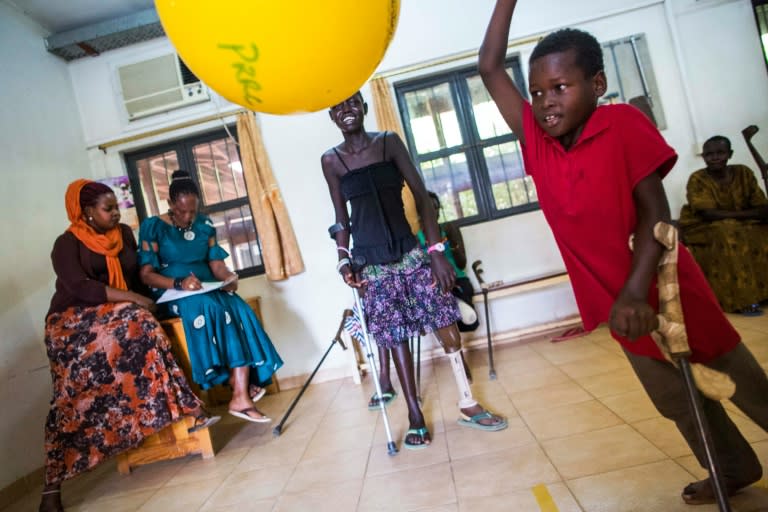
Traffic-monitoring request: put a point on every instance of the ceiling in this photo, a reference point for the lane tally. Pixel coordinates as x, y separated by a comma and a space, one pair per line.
79, 28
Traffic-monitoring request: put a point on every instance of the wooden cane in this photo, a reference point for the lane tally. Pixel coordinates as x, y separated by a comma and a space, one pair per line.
673, 342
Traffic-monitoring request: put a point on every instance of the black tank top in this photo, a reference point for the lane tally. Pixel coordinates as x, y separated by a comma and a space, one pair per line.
380, 231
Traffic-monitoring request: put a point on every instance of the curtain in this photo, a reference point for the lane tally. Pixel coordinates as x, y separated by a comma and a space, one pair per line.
387, 119
279, 249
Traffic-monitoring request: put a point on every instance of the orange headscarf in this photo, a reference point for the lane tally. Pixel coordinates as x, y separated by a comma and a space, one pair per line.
108, 244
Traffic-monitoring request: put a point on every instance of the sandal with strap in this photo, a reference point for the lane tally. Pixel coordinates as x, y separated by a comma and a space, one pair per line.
424, 439
474, 421
202, 422
373, 403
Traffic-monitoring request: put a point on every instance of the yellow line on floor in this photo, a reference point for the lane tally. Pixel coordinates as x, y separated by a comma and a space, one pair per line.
544, 499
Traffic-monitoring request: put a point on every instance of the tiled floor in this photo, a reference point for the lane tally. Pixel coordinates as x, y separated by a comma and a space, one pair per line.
582, 436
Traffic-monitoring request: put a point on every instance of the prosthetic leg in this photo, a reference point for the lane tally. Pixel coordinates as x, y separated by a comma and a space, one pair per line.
672, 339
336, 339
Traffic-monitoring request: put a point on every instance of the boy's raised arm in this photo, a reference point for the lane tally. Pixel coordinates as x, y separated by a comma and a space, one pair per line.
491, 66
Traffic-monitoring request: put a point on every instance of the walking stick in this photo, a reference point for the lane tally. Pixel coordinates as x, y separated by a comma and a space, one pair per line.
336, 339
748, 133
672, 339
391, 447
484, 287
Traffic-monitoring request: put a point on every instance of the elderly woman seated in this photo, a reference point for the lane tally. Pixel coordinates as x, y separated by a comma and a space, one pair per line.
724, 227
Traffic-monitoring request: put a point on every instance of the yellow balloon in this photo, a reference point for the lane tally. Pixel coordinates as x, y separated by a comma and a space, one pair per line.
281, 56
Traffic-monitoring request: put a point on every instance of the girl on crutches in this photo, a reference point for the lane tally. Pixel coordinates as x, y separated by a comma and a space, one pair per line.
405, 291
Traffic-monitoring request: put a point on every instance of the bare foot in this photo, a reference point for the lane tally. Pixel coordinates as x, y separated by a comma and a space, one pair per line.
703, 492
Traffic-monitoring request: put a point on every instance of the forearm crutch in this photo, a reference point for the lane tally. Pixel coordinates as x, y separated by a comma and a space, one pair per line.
336, 339
391, 447
672, 339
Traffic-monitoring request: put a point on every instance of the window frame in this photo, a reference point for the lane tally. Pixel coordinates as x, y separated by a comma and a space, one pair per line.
473, 145
183, 148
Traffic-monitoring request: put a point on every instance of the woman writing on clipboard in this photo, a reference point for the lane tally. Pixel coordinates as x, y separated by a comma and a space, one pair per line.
178, 250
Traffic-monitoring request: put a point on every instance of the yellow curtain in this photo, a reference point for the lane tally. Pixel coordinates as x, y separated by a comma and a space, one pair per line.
388, 119
280, 251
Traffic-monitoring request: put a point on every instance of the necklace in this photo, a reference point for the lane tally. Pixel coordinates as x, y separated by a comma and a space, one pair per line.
186, 232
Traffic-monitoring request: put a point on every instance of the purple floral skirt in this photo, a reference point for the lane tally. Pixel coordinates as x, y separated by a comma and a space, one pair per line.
401, 302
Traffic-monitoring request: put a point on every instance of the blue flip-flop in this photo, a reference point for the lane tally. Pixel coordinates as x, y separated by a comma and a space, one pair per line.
373, 403
474, 422
421, 432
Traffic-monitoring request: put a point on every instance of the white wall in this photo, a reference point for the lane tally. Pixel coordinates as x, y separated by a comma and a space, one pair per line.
42, 146
302, 313
726, 90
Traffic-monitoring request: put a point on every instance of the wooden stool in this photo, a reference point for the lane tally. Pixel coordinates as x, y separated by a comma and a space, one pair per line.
174, 441
169, 443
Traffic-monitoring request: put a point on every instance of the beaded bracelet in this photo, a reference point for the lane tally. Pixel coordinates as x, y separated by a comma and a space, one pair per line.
341, 263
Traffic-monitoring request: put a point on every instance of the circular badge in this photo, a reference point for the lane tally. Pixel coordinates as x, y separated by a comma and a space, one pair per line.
189, 235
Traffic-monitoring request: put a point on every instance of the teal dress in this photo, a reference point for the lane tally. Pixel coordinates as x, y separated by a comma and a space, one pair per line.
222, 331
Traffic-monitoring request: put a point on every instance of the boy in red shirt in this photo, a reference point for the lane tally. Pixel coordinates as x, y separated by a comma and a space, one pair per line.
598, 173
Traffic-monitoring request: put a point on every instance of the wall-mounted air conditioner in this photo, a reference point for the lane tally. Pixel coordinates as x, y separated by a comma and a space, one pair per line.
159, 85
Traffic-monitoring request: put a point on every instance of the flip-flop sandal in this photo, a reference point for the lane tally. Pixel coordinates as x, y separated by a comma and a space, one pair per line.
474, 421
243, 415
373, 403
422, 433
752, 310
569, 334
203, 422
258, 396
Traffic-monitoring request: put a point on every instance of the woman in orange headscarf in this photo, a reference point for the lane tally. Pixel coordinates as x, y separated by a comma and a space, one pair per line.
115, 381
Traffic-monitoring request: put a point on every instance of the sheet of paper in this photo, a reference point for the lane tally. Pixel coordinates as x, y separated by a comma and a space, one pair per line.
207, 286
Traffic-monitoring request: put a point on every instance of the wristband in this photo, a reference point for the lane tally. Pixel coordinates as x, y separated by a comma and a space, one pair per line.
177, 283
439, 247
344, 249
341, 263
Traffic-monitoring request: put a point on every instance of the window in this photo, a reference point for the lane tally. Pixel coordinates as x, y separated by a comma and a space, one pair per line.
213, 162
761, 17
465, 151
630, 76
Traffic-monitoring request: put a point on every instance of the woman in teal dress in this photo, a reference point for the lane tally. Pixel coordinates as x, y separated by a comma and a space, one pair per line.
226, 341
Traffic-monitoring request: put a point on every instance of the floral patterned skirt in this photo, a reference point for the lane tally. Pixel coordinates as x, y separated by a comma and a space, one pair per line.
401, 302
115, 382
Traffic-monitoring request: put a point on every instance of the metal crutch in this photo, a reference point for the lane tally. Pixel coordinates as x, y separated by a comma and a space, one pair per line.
415, 343
484, 287
673, 342
336, 339
391, 447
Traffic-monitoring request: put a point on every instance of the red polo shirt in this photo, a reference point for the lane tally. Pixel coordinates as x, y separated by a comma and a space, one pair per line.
586, 196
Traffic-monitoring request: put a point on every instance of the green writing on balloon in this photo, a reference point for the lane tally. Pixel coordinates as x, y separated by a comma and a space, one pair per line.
245, 70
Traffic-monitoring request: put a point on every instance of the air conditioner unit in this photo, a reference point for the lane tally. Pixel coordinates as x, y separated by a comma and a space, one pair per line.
159, 85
